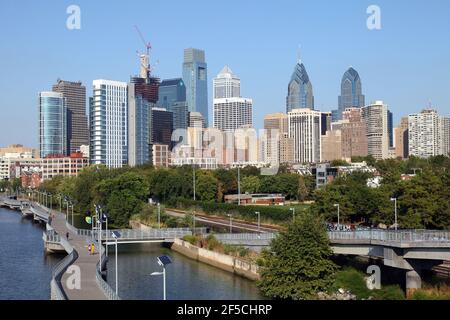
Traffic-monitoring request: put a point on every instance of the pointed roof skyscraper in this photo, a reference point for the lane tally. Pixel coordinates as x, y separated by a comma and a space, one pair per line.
300, 91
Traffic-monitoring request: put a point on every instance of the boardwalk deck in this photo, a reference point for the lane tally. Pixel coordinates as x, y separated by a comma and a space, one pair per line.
87, 263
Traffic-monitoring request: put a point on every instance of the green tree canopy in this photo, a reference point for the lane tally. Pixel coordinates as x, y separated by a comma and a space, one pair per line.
298, 264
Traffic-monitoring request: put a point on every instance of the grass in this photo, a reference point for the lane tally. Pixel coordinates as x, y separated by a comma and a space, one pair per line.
438, 292
354, 281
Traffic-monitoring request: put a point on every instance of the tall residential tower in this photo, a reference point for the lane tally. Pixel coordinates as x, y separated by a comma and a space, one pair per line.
52, 124
109, 123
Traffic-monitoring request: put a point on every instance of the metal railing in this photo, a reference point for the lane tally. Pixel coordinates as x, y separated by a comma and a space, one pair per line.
415, 236
104, 286
245, 236
57, 272
130, 234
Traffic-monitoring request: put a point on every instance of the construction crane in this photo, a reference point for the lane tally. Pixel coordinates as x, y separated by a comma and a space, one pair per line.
147, 45
146, 68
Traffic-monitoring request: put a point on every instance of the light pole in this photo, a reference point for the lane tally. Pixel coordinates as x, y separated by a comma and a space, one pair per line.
231, 223
239, 185
293, 213
116, 235
71, 204
395, 211
338, 213
159, 216
163, 261
105, 217
193, 179
259, 221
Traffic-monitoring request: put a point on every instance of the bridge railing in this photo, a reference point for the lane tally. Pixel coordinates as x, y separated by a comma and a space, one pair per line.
392, 236
245, 236
132, 234
104, 286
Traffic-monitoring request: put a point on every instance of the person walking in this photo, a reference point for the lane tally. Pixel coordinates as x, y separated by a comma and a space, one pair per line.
92, 248
89, 249
67, 236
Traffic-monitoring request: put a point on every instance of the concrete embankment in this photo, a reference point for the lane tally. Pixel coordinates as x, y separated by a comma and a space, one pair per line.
218, 260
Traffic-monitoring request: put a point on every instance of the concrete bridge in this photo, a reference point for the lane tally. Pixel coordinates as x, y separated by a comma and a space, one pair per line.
409, 250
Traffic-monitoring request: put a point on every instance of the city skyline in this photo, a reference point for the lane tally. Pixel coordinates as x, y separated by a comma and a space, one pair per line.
264, 53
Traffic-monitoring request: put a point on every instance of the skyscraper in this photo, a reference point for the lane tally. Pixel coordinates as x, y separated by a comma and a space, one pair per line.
351, 93
196, 120
226, 84
375, 117
109, 123
162, 127
231, 112
305, 129
391, 129
446, 135
77, 122
402, 139
172, 96
52, 124
196, 80
300, 91
138, 126
425, 134
354, 138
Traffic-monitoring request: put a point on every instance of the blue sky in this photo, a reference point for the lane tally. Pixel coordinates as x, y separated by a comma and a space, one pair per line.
406, 63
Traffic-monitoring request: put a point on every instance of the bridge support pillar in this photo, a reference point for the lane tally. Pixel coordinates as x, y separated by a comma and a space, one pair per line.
413, 282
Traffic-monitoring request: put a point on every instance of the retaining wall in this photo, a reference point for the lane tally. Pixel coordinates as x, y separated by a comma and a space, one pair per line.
218, 260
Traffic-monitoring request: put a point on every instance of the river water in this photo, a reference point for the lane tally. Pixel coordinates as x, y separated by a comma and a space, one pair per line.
187, 279
25, 269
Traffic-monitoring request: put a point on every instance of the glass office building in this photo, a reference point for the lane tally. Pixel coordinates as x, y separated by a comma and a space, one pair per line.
172, 96
351, 93
196, 81
52, 124
300, 92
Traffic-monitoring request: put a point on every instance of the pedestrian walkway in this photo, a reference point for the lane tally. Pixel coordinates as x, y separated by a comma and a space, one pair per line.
90, 290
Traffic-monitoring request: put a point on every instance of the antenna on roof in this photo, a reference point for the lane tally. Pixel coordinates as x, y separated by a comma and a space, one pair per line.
299, 56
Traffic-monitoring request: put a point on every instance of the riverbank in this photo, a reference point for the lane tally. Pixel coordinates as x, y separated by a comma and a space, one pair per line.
219, 260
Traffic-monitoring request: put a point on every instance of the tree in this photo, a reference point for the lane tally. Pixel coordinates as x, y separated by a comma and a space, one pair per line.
251, 184
123, 195
303, 191
206, 186
297, 266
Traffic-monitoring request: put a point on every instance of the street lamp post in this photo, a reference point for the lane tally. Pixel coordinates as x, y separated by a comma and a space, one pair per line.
159, 216
231, 223
193, 178
395, 211
163, 261
116, 235
259, 221
239, 185
293, 213
338, 213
